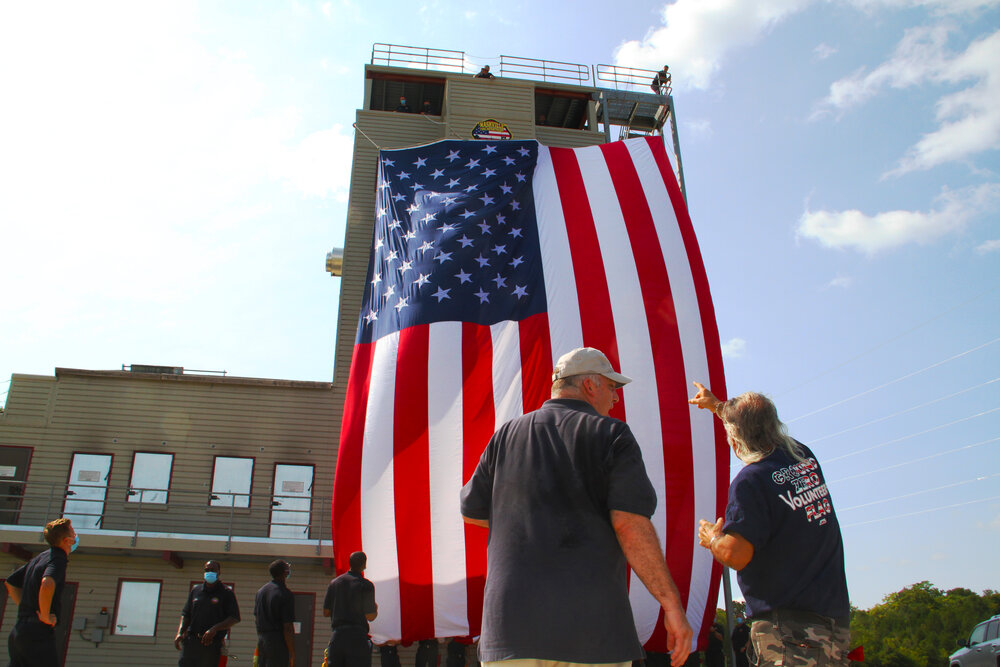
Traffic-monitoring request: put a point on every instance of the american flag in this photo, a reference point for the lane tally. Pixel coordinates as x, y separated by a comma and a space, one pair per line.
489, 261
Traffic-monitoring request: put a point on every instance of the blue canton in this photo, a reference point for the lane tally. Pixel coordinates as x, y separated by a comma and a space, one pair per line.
455, 237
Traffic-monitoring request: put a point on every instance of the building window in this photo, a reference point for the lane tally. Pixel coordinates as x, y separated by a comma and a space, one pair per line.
150, 481
137, 608
232, 479
87, 489
291, 500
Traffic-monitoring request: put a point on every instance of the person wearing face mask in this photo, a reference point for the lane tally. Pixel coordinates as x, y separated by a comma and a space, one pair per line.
210, 610
274, 609
403, 106
37, 589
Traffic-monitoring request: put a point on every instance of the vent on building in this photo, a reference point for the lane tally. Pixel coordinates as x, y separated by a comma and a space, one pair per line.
159, 370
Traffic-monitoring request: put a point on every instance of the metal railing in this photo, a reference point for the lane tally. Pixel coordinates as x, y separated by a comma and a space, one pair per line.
418, 57
544, 70
628, 78
178, 511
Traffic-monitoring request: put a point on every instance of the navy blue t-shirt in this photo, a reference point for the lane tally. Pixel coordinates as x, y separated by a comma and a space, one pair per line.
783, 508
28, 578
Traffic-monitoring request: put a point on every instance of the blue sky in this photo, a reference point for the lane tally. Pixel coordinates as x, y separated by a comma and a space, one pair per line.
174, 173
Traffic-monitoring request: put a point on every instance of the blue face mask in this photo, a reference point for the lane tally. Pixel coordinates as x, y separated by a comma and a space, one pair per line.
76, 543
211, 577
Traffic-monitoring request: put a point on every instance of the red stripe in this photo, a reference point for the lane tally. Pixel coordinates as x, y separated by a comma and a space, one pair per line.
536, 361
478, 417
411, 483
713, 351
347, 499
668, 368
588, 264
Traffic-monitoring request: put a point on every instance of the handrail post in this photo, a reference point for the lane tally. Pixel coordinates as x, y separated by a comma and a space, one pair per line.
232, 514
138, 515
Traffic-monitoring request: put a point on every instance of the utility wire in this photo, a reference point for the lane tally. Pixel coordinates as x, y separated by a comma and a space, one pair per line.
932, 509
917, 493
912, 435
909, 461
903, 412
885, 342
891, 382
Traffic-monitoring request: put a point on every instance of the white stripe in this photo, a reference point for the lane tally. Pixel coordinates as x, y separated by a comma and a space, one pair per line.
507, 395
444, 430
565, 328
378, 509
634, 351
692, 339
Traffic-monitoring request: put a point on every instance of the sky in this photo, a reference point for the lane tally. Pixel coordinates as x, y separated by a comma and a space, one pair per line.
172, 175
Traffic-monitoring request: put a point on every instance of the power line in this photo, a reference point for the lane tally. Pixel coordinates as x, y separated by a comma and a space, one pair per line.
917, 493
908, 462
901, 412
899, 379
885, 342
912, 435
932, 509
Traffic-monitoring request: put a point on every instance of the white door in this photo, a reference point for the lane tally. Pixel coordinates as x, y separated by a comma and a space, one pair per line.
291, 501
87, 490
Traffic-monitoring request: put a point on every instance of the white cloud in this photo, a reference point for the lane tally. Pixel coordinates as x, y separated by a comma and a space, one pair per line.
992, 245
841, 281
874, 233
824, 51
936, 6
697, 34
968, 119
698, 128
320, 165
734, 348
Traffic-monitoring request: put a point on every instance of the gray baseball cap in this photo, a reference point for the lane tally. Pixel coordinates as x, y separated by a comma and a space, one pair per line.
586, 361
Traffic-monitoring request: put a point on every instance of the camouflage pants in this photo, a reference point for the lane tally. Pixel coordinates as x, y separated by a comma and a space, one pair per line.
799, 639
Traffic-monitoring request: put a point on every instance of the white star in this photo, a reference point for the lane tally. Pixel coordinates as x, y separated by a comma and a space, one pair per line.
452, 183
489, 172
441, 294
516, 232
501, 220
470, 188
411, 208
446, 227
409, 235
392, 256
448, 201
506, 189
421, 162
524, 151
417, 186
472, 164
379, 243
398, 197
463, 277
485, 227
389, 291
500, 249
520, 177
403, 175
515, 205
388, 163
371, 316
517, 261
489, 150
401, 304
394, 224
377, 279
437, 173
382, 185
465, 241
466, 214
381, 212
520, 290
443, 257
427, 218
509, 160
500, 281
426, 246
482, 261
484, 297
406, 266
421, 280
486, 199
452, 156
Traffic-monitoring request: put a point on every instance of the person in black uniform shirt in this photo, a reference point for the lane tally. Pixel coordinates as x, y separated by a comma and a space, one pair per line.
714, 655
403, 106
427, 653
350, 604
210, 610
741, 642
37, 589
274, 608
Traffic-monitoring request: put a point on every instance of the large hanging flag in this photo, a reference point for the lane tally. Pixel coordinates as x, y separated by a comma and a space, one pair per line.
489, 261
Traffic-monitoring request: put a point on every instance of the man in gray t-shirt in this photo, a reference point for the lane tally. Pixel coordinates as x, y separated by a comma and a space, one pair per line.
565, 495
